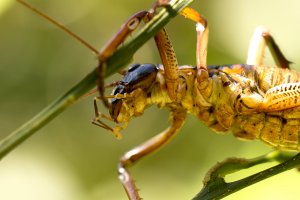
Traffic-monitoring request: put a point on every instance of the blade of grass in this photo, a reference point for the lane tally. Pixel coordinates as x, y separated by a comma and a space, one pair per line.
215, 186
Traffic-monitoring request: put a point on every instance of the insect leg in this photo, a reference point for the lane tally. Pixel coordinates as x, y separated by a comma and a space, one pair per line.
97, 120
169, 61
201, 49
135, 154
167, 53
202, 35
260, 40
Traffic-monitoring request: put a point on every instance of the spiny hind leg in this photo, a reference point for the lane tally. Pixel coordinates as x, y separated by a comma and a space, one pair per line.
281, 97
260, 40
278, 98
135, 154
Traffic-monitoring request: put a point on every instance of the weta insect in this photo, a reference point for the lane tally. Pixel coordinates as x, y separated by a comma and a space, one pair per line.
252, 101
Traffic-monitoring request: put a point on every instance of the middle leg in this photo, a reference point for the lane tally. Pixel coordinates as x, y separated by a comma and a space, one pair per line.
201, 49
260, 40
132, 156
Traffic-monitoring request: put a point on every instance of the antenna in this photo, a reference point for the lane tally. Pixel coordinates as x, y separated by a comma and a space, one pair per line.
59, 25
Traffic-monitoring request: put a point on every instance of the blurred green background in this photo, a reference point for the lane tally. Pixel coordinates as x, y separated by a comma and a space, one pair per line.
71, 159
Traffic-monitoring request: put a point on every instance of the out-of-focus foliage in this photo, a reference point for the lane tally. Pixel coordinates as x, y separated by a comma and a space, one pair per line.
72, 159
4, 5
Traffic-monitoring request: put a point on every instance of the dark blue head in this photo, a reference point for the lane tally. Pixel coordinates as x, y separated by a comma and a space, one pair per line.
140, 76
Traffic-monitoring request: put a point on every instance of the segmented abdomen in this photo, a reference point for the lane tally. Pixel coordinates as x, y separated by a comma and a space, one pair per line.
279, 128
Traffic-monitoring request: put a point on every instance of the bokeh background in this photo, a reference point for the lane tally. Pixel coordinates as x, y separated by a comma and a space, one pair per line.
71, 159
